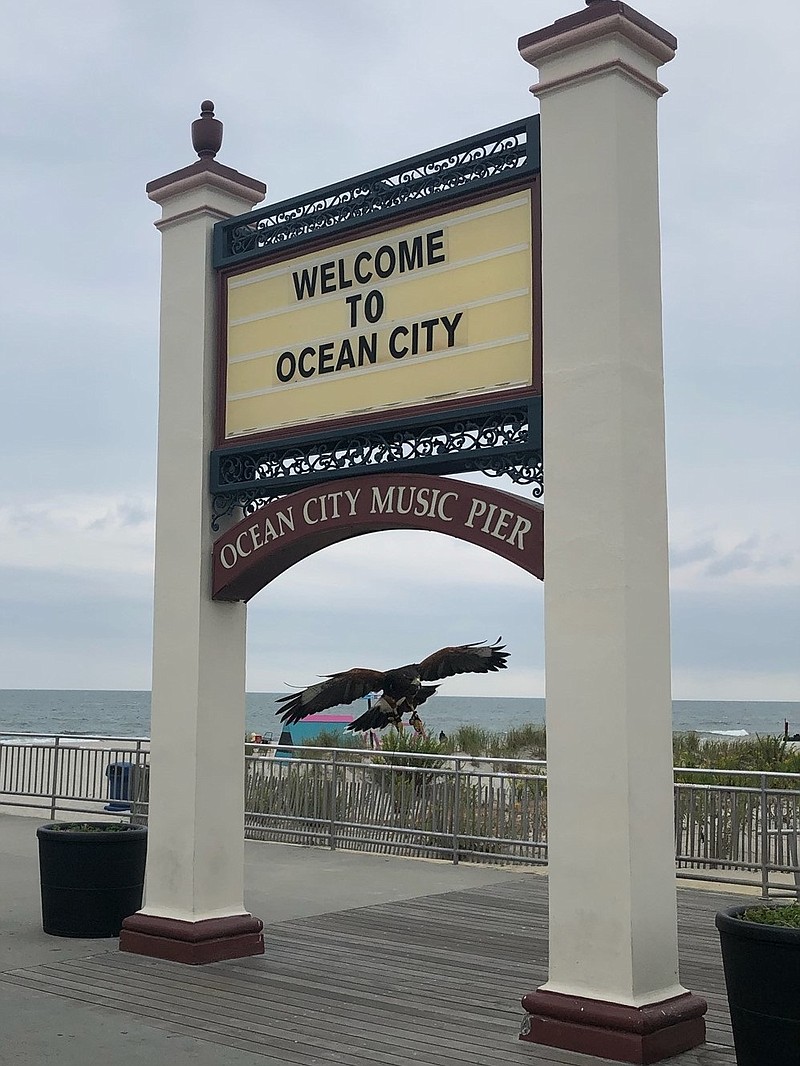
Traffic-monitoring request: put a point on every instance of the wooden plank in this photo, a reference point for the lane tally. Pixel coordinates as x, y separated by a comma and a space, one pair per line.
435, 980
407, 1002
290, 1047
282, 1025
409, 1006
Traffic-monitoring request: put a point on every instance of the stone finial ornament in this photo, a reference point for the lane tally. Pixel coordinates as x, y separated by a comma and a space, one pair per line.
206, 170
206, 131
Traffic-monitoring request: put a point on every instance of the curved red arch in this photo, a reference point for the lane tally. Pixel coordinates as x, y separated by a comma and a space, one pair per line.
265, 544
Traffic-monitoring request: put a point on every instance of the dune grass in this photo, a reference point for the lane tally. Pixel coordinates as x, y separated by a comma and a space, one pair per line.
523, 742
756, 754
398, 748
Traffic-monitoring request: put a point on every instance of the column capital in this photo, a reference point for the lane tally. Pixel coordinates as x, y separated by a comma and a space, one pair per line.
205, 183
210, 173
606, 36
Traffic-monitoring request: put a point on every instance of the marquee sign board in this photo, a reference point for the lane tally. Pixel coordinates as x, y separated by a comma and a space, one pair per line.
389, 320
420, 313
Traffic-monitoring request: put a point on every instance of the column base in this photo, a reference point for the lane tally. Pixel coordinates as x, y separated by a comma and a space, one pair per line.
192, 943
612, 1030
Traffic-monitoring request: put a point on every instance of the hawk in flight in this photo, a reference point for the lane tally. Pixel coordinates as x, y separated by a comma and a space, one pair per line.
402, 690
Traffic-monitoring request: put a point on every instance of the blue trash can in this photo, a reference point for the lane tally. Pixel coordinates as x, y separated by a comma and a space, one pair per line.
119, 786
285, 738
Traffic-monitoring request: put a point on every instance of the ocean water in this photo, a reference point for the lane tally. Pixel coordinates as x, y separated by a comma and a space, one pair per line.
127, 714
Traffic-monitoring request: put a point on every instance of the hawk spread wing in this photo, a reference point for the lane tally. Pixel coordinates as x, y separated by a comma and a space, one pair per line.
463, 659
334, 691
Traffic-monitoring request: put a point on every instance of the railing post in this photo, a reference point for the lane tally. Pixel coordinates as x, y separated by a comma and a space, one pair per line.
332, 830
54, 779
764, 840
456, 810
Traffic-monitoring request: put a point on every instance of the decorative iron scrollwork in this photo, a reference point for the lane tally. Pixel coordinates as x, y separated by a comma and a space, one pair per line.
529, 472
224, 504
372, 449
486, 159
500, 441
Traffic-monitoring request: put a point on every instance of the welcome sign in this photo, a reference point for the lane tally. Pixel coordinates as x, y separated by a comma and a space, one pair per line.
423, 312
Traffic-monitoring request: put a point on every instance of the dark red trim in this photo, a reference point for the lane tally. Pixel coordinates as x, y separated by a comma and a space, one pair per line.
206, 165
536, 284
615, 1031
244, 561
374, 226
192, 943
602, 9
222, 359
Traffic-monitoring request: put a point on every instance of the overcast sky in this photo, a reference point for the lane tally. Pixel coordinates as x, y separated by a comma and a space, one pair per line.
97, 100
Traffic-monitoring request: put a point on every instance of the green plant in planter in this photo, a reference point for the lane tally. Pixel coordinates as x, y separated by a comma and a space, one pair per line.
787, 915
89, 827
761, 957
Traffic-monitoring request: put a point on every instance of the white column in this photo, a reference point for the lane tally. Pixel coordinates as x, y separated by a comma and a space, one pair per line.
609, 725
196, 824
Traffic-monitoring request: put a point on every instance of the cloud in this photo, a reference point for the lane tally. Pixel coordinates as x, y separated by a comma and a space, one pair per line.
691, 553
745, 556
743, 685
126, 514
318, 93
755, 558
733, 628
74, 630
88, 534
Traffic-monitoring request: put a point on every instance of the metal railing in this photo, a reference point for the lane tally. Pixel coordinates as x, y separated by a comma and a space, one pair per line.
488, 810
731, 827
736, 822
58, 773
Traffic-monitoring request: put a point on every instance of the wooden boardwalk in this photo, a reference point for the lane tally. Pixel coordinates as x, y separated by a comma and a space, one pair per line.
435, 980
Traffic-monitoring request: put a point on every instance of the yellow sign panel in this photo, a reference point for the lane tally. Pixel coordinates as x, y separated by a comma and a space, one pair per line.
424, 312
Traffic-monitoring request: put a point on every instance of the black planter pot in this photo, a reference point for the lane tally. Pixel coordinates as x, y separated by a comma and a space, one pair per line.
91, 881
762, 975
